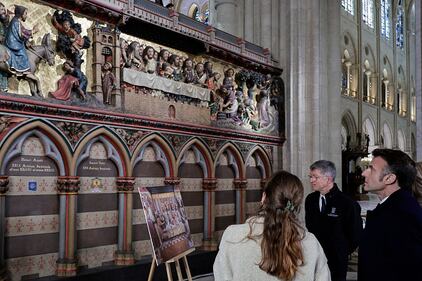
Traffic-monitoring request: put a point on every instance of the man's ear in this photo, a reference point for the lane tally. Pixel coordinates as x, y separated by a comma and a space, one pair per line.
391, 178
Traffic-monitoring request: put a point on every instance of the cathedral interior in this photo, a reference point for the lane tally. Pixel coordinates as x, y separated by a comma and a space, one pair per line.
101, 97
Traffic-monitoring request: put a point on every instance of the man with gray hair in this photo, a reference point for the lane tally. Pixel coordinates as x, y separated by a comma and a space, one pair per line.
332, 217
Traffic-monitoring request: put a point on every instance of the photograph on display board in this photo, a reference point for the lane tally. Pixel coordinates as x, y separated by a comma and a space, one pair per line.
166, 221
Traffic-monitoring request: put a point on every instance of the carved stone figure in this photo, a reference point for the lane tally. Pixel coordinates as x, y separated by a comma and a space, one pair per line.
108, 81
188, 71
263, 104
16, 37
123, 50
35, 55
200, 75
69, 41
149, 60
68, 83
174, 61
134, 59
4, 23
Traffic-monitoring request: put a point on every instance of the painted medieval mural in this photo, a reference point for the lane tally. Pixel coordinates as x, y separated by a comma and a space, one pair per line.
98, 98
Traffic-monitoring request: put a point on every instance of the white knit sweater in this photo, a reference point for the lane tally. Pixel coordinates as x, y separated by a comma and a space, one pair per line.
238, 258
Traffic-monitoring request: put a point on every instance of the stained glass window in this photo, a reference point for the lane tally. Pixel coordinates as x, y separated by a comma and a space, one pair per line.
400, 25
385, 18
368, 12
348, 6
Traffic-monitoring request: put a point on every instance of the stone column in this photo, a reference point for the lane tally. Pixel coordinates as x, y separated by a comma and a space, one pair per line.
4, 181
124, 253
240, 187
418, 79
209, 185
67, 187
311, 59
226, 15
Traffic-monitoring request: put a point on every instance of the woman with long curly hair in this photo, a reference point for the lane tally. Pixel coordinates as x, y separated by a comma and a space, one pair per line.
417, 186
273, 245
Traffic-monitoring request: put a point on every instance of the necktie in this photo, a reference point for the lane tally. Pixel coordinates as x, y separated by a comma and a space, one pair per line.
323, 204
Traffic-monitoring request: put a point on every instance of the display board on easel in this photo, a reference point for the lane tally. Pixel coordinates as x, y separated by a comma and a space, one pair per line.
166, 221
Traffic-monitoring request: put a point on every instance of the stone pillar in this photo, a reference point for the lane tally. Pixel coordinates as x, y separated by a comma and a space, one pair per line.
418, 79
209, 186
124, 254
226, 15
266, 30
67, 187
240, 187
4, 181
311, 60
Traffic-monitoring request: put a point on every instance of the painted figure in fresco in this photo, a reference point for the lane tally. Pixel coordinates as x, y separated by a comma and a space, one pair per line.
108, 81
16, 39
69, 40
149, 60
134, 59
4, 23
68, 83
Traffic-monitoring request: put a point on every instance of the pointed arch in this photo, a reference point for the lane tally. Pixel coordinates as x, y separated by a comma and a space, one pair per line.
235, 159
117, 150
163, 151
203, 155
388, 136
56, 144
349, 123
350, 46
263, 164
370, 129
401, 140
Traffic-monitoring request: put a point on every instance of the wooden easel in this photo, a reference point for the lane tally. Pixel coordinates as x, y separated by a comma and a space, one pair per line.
168, 263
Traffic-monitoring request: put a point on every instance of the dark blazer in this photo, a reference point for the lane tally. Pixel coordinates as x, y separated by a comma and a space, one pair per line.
391, 245
338, 229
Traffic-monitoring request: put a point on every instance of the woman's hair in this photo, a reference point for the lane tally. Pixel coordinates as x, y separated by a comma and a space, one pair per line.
281, 246
417, 186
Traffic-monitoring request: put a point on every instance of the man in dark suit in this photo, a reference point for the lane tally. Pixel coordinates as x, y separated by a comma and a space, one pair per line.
332, 217
391, 245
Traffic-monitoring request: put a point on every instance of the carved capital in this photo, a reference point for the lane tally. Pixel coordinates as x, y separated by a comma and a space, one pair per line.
209, 184
172, 181
68, 184
125, 184
240, 184
4, 181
